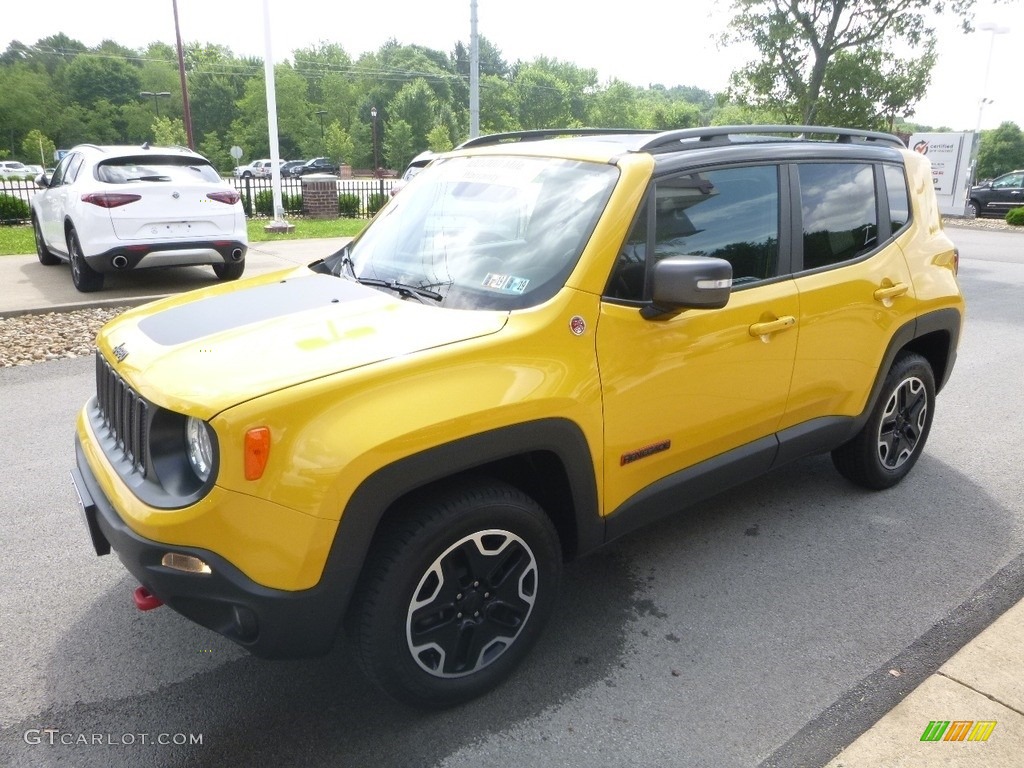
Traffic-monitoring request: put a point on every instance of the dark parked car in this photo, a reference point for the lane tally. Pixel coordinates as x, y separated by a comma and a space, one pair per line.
997, 196
291, 168
317, 165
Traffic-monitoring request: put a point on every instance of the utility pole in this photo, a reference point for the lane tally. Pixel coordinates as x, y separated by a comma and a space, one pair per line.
474, 74
186, 111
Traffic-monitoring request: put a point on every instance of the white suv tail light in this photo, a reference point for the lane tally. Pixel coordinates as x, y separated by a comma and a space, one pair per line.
230, 197
110, 199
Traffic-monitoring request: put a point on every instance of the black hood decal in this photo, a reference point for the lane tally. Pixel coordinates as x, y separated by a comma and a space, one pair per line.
216, 314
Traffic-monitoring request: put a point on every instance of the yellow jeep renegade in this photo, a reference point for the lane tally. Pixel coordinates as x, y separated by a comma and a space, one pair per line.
547, 339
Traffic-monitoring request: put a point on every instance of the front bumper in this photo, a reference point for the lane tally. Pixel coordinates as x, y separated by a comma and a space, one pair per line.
270, 623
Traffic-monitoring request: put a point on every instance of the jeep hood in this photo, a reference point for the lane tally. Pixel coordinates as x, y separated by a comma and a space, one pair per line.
203, 353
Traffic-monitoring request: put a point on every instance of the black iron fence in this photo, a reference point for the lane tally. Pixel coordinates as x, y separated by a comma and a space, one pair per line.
357, 198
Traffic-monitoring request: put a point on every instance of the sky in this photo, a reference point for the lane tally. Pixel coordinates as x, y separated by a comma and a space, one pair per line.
642, 46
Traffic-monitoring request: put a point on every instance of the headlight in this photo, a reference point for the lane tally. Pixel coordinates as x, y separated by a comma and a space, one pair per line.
199, 447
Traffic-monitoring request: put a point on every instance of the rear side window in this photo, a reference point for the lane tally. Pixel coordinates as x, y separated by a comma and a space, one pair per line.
840, 219
899, 198
156, 169
730, 214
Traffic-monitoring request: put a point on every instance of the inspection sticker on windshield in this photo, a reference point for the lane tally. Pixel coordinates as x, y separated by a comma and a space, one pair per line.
506, 283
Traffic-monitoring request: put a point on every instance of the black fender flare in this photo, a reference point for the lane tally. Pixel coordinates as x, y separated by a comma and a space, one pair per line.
378, 492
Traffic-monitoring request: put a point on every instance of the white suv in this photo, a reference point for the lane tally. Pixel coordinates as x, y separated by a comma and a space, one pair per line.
260, 169
118, 208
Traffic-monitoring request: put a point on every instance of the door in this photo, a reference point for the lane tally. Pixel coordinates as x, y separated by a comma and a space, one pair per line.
686, 388
855, 287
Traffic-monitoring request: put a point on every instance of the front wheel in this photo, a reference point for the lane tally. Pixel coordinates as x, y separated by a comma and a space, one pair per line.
457, 590
892, 440
973, 209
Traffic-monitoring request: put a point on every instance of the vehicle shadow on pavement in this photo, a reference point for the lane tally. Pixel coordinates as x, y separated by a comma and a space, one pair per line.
252, 711
747, 577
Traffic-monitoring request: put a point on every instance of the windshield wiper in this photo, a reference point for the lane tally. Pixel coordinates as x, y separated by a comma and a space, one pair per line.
150, 178
404, 290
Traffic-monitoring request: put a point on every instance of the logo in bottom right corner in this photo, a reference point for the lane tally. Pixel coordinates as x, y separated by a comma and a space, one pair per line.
958, 730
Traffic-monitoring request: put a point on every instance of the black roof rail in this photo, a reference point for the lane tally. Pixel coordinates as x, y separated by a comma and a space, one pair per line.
545, 133
721, 134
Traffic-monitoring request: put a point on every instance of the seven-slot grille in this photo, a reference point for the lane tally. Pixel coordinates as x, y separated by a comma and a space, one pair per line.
125, 414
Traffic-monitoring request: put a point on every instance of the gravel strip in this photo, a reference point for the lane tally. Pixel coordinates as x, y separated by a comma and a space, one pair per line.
28, 339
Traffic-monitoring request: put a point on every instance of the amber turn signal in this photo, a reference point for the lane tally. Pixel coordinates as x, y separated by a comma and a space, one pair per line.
257, 451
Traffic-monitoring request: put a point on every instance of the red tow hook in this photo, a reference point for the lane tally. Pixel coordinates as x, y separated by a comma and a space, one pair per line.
146, 600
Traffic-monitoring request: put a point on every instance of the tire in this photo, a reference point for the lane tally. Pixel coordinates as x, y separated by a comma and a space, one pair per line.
892, 440
246, 175
455, 593
231, 270
973, 209
46, 257
85, 278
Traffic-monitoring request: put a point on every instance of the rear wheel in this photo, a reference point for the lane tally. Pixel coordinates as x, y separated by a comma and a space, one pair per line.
46, 257
456, 592
85, 278
231, 270
891, 441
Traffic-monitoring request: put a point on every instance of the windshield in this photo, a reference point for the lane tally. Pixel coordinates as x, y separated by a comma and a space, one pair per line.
482, 232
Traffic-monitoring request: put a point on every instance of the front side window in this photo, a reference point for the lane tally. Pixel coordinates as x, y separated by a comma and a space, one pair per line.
730, 214
840, 219
483, 232
1009, 181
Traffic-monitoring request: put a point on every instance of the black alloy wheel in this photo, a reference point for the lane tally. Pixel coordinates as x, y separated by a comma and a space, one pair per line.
892, 440
457, 590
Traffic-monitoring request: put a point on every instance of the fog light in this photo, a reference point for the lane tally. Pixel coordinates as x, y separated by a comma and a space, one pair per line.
186, 563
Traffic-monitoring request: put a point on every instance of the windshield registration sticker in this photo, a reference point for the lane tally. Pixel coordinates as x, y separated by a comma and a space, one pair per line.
506, 283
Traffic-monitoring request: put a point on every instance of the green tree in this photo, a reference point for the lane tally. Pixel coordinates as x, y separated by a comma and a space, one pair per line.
340, 147
92, 78
871, 88
416, 105
212, 147
399, 146
37, 148
438, 140
799, 42
616, 106
498, 105
295, 129
27, 102
169, 132
1001, 150
543, 100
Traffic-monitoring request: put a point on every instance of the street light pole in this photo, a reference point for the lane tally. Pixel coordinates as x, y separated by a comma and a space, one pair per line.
994, 29
156, 100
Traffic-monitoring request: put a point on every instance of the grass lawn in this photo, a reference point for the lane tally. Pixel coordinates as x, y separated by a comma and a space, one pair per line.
19, 240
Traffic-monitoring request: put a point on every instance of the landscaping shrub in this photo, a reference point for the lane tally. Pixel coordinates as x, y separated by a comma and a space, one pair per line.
348, 206
1015, 217
375, 202
13, 209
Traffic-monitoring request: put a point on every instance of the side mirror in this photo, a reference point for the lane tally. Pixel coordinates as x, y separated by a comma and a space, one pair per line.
688, 282
42, 181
